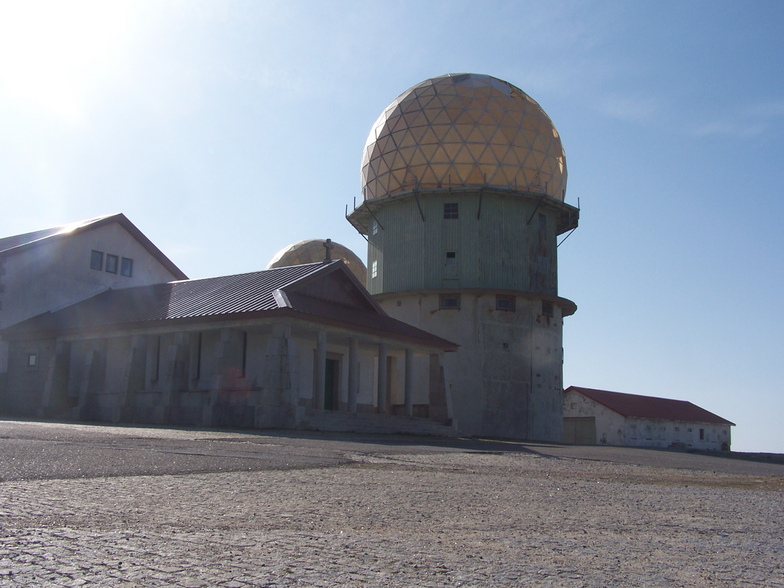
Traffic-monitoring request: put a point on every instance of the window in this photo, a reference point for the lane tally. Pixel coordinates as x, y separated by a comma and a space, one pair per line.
702, 434
374, 227
96, 260
126, 267
503, 302
449, 301
111, 263
450, 265
374, 270
451, 210
547, 308
32, 360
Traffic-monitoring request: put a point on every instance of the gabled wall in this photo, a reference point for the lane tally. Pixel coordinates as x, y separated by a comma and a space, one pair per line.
610, 426
57, 273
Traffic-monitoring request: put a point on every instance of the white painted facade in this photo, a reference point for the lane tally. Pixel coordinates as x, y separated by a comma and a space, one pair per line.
55, 272
612, 428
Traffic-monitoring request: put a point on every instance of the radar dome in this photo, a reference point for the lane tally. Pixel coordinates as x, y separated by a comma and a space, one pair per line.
312, 251
463, 130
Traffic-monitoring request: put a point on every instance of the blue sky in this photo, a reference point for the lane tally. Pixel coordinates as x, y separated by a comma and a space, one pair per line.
227, 130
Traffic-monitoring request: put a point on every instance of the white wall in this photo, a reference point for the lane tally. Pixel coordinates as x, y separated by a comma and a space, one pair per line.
57, 273
610, 426
660, 433
614, 429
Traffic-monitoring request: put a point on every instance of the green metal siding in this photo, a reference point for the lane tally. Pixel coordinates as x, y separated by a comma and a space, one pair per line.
500, 246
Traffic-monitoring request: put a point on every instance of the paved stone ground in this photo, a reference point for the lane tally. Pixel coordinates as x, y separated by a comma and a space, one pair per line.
155, 507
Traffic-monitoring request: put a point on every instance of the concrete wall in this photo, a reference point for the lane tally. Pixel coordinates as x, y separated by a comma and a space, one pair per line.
193, 376
506, 378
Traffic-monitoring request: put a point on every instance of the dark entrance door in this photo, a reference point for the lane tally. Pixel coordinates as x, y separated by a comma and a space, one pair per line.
579, 430
331, 384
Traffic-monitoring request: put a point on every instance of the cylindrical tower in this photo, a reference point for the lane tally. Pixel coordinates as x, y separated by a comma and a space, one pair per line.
463, 183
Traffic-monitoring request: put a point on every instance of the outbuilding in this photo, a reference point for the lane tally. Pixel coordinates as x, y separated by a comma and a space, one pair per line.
599, 417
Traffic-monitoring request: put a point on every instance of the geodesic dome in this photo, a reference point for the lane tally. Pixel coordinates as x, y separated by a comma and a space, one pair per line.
312, 251
463, 130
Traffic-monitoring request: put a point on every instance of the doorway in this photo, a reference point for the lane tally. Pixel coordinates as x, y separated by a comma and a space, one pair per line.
332, 384
579, 430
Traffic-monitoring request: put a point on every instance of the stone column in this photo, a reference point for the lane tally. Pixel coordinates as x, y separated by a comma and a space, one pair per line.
440, 409
133, 376
280, 381
56, 385
321, 370
93, 381
175, 377
409, 385
383, 380
353, 374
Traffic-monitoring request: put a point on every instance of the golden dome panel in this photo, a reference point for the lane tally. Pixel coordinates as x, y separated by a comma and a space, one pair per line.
463, 130
312, 251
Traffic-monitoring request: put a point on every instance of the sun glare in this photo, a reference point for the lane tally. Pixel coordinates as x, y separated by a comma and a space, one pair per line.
53, 54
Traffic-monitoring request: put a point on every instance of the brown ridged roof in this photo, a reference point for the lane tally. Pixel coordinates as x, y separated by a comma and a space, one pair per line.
650, 407
286, 290
16, 243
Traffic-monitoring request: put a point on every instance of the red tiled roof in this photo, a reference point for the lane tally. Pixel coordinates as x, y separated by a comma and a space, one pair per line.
649, 407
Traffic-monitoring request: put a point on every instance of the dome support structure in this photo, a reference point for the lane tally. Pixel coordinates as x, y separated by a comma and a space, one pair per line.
482, 166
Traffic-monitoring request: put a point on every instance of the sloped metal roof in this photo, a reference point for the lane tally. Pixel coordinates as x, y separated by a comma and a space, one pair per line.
650, 407
230, 296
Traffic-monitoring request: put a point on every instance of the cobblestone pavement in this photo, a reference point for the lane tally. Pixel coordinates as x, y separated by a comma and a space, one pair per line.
346, 512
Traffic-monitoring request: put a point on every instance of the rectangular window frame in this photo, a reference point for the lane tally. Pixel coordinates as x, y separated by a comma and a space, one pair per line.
112, 263
96, 260
126, 267
449, 301
506, 303
451, 210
